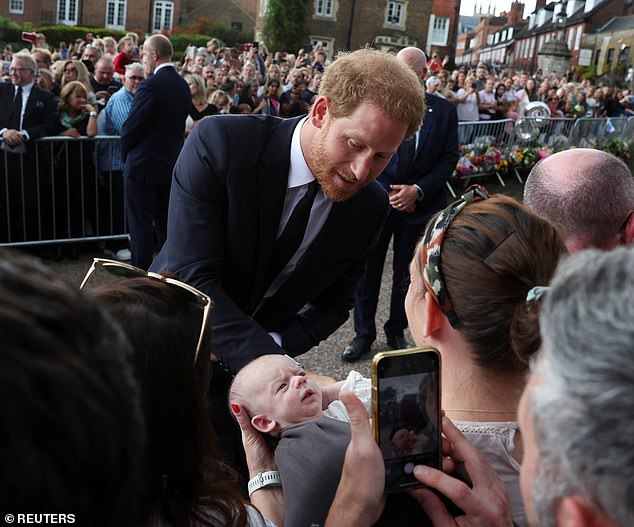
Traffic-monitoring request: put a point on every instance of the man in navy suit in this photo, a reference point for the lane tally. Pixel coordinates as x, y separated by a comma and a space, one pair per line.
26, 113
415, 182
237, 185
151, 140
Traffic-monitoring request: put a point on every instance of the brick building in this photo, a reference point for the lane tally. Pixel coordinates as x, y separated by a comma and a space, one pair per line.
569, 21
443, 27
351, 24
469, 45
142, 16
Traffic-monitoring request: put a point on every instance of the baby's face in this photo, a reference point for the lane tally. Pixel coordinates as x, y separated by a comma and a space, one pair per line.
284, 393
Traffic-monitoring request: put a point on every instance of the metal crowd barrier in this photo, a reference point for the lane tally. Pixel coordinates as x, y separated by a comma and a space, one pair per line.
475, 139
62, 190
556, 133
596, 132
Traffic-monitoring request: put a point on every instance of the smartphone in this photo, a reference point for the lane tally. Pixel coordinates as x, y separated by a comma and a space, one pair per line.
29, 37
406, 413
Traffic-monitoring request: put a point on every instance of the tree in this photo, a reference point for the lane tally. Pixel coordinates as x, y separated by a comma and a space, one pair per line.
284, 25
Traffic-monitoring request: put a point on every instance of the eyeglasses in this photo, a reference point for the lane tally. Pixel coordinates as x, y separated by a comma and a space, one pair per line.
124, 270
16, 70
70, 70
136, 78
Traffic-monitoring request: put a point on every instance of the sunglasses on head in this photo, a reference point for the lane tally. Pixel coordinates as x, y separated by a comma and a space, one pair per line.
189, 293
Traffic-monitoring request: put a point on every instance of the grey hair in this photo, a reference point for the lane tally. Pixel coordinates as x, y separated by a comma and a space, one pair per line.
27, 60
137, 66
583, 407
590, 203
432, 81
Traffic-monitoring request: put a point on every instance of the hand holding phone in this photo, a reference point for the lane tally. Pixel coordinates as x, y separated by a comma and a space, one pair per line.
406, 413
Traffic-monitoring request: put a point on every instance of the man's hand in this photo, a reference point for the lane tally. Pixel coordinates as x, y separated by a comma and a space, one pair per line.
102, 94
359, 500
403, 197
484, 505
13, 137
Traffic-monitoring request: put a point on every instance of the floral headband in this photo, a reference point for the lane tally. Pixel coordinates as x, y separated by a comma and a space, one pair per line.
432, 244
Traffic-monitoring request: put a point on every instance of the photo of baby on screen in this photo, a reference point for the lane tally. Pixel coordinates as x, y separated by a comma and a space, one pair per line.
408, 415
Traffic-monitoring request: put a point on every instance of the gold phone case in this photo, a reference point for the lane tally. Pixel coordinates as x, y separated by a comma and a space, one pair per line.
375, 391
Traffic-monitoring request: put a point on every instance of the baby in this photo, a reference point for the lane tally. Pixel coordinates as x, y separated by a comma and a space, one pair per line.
311, 424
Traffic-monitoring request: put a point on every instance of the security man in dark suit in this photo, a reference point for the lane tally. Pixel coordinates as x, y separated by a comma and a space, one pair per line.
275, 219
26, 113
151, 140
415, 182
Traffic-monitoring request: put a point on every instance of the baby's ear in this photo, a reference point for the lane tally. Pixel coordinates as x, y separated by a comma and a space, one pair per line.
263, 424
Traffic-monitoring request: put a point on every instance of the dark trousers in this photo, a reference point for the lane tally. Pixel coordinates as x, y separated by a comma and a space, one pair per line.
405, 237
146, 211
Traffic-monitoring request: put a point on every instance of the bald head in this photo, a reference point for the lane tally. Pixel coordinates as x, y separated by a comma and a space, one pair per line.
162, 46
157, 50
415, 59
589, 193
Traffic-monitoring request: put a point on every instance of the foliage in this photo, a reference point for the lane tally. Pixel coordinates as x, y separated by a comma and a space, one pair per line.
9, 31
56, 33
586, 72
285, 25
204, 26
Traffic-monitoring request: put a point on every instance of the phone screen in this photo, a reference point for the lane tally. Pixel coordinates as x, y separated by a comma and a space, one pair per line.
407, 413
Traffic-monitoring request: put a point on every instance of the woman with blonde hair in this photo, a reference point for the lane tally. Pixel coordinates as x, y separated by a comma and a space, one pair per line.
200, 106
75, 70
221, 100
74, 169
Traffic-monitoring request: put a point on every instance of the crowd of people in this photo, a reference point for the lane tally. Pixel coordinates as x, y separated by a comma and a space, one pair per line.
483, 94
153, 399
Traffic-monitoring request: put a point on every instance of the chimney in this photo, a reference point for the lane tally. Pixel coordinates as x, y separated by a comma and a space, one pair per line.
539, 4
517, 13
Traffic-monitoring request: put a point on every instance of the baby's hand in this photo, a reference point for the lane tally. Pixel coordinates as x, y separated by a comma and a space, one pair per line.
330, 393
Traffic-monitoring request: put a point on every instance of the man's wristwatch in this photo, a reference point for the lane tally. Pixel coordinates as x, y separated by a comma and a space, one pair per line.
264, 479
93, 114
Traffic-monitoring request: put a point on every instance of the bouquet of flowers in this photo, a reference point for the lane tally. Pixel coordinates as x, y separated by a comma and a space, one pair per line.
618, 147
527, 157
478, 160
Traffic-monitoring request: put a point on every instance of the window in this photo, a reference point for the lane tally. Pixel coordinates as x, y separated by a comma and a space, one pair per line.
323, 8
571, 37
395, 13
67, 12
438, 30
163, 16
236, 26
16, 6
610, 58
578, 39
115, 14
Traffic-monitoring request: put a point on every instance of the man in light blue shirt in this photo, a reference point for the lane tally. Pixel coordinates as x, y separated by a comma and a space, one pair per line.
110, 122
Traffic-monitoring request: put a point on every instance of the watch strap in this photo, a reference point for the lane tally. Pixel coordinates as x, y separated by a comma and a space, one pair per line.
264, 479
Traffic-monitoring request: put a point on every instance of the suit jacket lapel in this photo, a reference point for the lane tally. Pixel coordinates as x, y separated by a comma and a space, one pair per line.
271, 180
427, 122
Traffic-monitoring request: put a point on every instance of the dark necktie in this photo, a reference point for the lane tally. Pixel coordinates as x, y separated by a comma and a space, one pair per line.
16, 111
293, 234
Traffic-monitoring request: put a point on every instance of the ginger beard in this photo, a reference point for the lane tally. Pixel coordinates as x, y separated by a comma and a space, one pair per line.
335, 179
